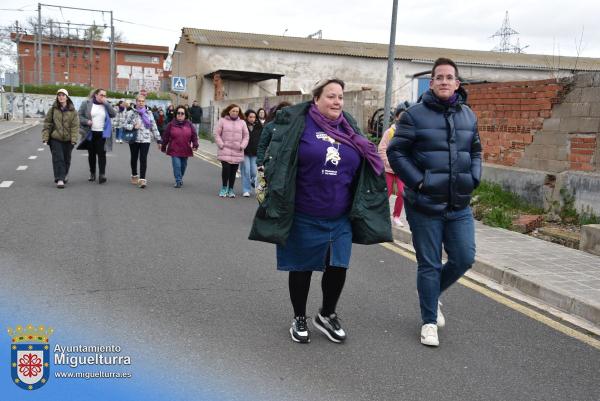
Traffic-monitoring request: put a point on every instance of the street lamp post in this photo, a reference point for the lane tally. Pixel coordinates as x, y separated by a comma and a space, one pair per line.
22, 81
178, 69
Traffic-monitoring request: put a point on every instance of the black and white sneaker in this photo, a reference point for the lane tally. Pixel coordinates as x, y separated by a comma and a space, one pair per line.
330, 326
299, 330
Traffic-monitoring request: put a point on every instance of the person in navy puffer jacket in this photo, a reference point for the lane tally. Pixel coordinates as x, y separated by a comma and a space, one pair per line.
436, 152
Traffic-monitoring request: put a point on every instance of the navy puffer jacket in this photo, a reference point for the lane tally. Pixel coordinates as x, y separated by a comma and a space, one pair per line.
438, 146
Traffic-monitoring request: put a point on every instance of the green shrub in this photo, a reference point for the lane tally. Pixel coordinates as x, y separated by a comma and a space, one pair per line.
492, 195
84, 91
498, 217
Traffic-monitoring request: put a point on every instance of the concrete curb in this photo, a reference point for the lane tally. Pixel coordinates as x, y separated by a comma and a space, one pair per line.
505, 277
16, 130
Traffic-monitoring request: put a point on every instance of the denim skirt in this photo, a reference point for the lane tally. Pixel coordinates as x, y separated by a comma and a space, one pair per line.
311, 240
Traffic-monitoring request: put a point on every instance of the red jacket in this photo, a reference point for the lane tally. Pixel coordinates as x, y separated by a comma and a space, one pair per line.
178, 140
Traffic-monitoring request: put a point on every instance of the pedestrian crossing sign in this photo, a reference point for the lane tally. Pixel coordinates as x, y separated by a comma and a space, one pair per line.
178, 84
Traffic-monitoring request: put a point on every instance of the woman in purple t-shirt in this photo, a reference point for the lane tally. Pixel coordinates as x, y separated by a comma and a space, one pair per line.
329, 157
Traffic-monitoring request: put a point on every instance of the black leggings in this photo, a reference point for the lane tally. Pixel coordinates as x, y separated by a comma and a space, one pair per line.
140, 149
332, 284
97, 149
228, 174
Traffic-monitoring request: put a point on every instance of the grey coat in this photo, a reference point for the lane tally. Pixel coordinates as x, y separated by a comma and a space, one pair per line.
85, 115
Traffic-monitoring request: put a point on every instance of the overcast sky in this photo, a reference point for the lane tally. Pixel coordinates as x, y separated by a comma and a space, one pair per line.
546, 26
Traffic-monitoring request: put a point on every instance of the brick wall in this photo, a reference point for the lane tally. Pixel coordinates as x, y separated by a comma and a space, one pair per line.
510, 113
583, 147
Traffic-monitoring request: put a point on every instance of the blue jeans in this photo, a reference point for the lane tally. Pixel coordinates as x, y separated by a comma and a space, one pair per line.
119, 134
248, 172
455, 230
179, 166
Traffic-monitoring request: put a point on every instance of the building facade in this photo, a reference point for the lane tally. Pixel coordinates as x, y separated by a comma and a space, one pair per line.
232, 65
83, 62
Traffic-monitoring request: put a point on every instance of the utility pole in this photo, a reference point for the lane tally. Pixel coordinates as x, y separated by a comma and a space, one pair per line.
52, 77
178, 70
390, 68
91, 31
39, 51
112, 53
20, 65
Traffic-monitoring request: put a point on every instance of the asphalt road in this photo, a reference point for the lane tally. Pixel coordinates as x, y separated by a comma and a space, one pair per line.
171, 273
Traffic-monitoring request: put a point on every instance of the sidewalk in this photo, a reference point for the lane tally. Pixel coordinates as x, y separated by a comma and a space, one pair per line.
12, 127
561, 277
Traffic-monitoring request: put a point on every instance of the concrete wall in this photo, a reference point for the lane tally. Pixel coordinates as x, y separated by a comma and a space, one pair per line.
586, 187
37, 105
542, 188
302, 70
529, 184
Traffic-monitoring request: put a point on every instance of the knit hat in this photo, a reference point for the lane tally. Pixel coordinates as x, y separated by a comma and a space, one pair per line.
63, 91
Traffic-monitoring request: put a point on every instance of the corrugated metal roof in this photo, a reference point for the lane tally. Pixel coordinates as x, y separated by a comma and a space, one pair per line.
378, 50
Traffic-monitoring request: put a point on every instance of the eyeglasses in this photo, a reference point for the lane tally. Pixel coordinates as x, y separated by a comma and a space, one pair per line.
179, 113
441, 78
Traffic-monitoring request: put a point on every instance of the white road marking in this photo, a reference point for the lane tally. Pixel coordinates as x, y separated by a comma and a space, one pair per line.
6, 184
21, 168
40, 149
32, 157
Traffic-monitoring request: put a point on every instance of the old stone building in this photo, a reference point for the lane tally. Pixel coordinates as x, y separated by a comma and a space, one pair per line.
232, 65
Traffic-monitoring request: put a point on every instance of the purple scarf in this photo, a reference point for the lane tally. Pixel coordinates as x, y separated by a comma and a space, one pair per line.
451, 101
346, 135
95, 101
144, 116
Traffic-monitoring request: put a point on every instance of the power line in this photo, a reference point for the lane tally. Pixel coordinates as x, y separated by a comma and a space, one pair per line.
147, 26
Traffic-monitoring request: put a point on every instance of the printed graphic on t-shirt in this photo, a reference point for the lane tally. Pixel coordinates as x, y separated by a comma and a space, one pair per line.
332, 157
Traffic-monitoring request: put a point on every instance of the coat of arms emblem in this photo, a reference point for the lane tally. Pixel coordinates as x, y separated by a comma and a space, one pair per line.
30, 356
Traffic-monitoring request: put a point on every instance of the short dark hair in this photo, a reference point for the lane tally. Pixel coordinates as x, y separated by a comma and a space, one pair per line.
318, 88
184, 110
444, 61
250, 111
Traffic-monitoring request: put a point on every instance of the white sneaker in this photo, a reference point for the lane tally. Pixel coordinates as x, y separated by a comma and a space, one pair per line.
246, 194
441, 320
429, 335
397, 222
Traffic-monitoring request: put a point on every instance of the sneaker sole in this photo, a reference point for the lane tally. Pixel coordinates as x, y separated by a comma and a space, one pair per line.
326, 332
297, 339
430, 344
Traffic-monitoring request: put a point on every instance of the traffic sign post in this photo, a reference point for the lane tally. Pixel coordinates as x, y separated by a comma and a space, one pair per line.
178, 84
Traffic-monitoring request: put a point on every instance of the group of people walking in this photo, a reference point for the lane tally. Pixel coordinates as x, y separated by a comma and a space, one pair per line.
325, 185
92, 128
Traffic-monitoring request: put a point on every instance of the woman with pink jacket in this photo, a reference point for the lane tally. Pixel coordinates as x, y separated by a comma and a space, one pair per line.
231, 137
390, 177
